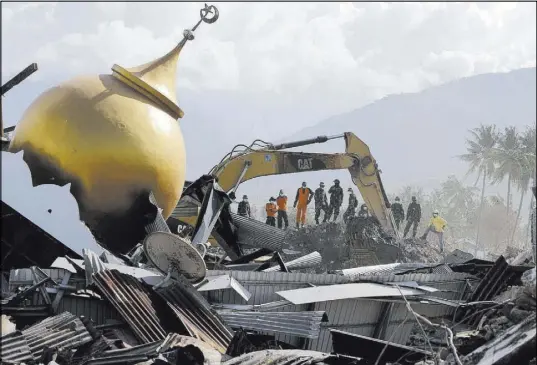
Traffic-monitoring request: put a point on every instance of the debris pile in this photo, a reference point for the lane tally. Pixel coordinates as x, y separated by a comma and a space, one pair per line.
94, 312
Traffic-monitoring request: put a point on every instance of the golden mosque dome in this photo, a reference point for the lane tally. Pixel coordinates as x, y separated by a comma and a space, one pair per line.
113, 136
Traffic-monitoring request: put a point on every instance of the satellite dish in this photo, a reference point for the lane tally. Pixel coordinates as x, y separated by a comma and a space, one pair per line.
165, 250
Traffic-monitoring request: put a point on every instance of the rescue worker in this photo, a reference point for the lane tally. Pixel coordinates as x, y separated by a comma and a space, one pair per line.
398, 212
351, 209
244, 207
413, 217
281, 202
302, 199
321, 201
336, 199
271, 210
437, 225
364, 212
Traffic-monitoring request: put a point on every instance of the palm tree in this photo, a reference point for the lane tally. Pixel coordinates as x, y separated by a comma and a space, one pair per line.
527, 173
510, 159
459, 197
480, 149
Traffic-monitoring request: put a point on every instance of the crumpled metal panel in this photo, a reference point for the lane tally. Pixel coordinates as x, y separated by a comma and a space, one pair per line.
173, 340
458, 257
131, 355
225, 282
14, 348
279, 357
92, 264
140, 353
254, 233
370, 349
495, 280
350, 315
132, 301
303, 324
345, 291
310, 260
63, 331
514, 346
196, 314
394, 268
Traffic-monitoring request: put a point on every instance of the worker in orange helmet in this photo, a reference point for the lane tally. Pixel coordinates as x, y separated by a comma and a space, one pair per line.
281, 202
302, 199
271, 210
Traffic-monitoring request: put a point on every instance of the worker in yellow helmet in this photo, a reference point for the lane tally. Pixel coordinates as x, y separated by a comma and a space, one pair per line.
271, 210
437, 225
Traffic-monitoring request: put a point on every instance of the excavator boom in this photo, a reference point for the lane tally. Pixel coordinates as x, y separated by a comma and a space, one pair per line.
251, 163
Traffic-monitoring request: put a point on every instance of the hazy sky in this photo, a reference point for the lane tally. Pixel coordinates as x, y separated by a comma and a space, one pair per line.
278, 67
323, 58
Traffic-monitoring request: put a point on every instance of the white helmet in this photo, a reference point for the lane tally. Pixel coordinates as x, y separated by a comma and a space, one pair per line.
435, 211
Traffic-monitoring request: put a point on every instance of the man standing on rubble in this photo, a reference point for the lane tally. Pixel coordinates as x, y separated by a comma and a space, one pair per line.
321, 202
281, 202
437, 225
302, 199
363, 213
351, 209
336, 199
244, 207
413, 217
398, 212
271, 210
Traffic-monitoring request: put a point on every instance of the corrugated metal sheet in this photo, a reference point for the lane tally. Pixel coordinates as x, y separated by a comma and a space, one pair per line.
370, 270
442, 269
84, 353
344, 291
225, 282
196, 314
303, 324
371, 349
24, 277
350, 315
458, 257
63, 331
136, 272
173, 340
137, 354
494, 281
14, 348
92, 264
310, 260
131, 355
514, 346
132, 301
279, 357
395, 268
81, 305
253, 233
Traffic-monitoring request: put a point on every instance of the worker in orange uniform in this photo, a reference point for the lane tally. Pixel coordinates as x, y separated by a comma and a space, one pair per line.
302, 199
271, 210
281, 202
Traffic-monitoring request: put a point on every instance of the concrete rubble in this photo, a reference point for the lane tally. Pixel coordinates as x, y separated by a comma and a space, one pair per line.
97, 310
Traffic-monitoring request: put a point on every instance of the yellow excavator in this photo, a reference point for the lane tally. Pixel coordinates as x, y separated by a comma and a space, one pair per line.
244, 163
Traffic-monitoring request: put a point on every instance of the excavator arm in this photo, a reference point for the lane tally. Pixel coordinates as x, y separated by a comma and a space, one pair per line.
273, 160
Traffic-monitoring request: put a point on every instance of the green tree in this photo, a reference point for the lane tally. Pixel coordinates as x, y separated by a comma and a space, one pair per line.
480, 150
